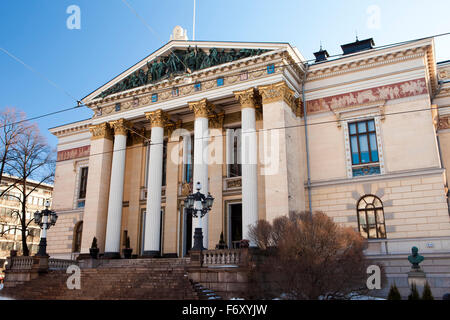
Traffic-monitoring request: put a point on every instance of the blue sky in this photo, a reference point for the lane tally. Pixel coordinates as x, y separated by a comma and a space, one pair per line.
112, 38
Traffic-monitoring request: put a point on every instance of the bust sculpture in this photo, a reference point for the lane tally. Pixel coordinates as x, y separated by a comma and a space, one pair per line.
415, 258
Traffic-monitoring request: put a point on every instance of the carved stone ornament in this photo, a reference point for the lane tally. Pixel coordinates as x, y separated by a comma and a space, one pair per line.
216, 121
277, 92
444, 122
247, 98
120, 126
158, 118
201, 108
101, 131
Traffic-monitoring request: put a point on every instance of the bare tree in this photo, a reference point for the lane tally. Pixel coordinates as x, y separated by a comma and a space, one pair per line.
313, 258
11, 127
32, 166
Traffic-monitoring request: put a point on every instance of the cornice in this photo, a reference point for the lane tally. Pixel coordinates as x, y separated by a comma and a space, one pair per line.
366, 63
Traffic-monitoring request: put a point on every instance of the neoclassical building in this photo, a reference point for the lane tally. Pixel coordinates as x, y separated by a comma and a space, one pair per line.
364, 137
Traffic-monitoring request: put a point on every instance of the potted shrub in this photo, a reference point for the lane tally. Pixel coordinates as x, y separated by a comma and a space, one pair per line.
93, 250
127, 251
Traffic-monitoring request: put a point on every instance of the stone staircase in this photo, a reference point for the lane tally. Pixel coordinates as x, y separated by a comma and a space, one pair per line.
133, 279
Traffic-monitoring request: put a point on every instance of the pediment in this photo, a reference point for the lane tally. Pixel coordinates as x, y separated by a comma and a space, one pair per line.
178, 58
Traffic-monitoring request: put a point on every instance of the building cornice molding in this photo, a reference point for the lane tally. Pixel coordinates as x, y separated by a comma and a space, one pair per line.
378, 177
425, 50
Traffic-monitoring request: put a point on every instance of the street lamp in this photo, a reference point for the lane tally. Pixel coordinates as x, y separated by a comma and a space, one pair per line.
45, 219
198, 205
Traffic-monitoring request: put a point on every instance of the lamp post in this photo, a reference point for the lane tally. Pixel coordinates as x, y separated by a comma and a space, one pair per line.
45, 219
198, 205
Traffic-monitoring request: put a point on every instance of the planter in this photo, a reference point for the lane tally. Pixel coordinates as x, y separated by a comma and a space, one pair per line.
93, 252
127, 253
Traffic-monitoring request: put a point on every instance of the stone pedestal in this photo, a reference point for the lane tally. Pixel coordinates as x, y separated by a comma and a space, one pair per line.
417, 277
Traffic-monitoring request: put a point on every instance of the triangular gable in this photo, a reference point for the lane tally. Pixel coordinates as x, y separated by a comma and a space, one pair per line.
181, 57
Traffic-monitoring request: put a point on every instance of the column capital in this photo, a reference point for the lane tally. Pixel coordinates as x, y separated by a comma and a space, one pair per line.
201, 108
247, 98
158, 118
216, 121
101, 131
120, 126
275, 92
298, 107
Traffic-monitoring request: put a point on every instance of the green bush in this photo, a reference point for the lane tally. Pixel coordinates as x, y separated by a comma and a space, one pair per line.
427, 295
414, 295
394, 294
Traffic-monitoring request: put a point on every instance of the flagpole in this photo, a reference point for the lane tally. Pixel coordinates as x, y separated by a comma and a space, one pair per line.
193, 34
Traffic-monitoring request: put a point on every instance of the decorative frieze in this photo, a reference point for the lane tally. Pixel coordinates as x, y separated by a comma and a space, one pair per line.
73, 153
120, 126
202, 108
101, 131
157, 118
277, 92
393, 91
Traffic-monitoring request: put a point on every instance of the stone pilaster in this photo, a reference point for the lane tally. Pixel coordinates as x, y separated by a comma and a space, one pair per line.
282, 151
97, 194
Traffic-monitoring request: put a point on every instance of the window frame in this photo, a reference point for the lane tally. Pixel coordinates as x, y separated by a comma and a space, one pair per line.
367, 133
373, 210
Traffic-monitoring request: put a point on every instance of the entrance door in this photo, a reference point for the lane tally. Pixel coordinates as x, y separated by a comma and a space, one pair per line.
187, 232
161, 231
234, 223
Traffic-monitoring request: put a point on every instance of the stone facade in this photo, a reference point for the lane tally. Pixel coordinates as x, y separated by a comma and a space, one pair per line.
291, 163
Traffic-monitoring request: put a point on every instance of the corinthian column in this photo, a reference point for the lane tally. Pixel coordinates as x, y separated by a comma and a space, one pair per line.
152, 237
201, 111
249, 158
114, 221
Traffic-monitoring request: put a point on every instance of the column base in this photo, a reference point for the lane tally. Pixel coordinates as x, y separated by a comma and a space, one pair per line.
111, 255
151, 254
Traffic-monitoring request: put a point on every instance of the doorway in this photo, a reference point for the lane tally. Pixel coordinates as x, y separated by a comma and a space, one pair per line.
187, 232
234, 223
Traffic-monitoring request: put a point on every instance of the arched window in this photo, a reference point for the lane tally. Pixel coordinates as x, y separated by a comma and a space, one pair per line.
77, 237
371, 217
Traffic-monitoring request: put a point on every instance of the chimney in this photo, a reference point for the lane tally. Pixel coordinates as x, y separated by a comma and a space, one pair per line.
358, 46
321, 55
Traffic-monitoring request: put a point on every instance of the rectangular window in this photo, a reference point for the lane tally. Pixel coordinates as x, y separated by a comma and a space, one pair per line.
234, 152
188, 158
155, 97
198, 86
270, 69
83, 183
220, 82
164, 168
363, 142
